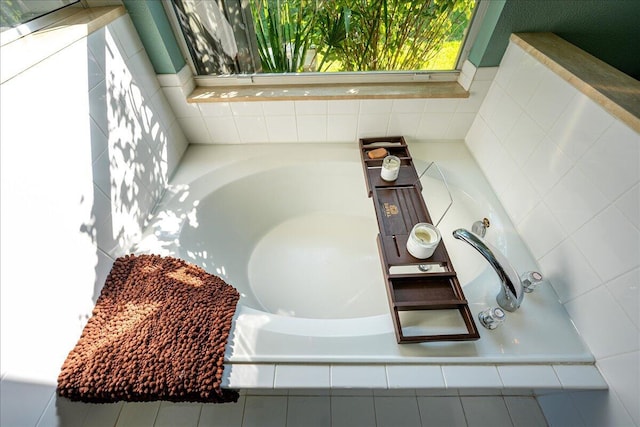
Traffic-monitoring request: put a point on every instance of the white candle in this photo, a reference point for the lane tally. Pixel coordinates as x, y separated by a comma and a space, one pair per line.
423, 240
390, 168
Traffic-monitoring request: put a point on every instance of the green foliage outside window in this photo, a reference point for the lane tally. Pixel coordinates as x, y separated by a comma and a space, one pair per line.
359, 35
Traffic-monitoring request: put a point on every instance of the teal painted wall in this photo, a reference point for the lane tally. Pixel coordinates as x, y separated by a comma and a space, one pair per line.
156, 34
607, 29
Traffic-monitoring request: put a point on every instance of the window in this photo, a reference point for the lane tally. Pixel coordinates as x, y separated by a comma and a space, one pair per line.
312, 38
21, 17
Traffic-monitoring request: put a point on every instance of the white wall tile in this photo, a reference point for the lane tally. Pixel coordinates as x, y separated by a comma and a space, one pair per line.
610, 243
509, 64
251, 129
177, 97
342, 128
413, 106
279, 108
161, 112
376, 106
601, 408
441, 105
110, 136
525, 80
371, 125
248, 376
302, 376
629, 205
574, 200
343, 106
566, 268
195, 130
312, 128
524, 138
404, 124
477, 92
313, 108
475, 137
360, 376
521, 376
587, 312
546, 165
491, 101
623, 372
434, 125
242, 109
500, 168
550, 99
540, 218
96, 45
466, 74
459, 125
282, 128
222, 130
579, 126
588, 176
612, 162
626, 291
580, 377
98, 107
471, 377
99, 141
485, 73
415, 376
127, 36
95, 72
143, 74
215, 109
504, 116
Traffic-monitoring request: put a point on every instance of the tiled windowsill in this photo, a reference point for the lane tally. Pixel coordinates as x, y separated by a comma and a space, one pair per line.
27, 51
328, 92
615, 91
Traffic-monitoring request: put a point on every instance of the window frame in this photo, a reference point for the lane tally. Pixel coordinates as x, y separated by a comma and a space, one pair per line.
328, 78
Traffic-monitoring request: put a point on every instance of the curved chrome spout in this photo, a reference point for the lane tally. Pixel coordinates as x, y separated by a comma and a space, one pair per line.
511, 292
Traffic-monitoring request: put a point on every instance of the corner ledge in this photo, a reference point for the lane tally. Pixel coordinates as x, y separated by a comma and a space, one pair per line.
616, 92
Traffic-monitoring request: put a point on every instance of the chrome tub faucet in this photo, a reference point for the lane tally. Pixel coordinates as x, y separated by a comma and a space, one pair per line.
512, 289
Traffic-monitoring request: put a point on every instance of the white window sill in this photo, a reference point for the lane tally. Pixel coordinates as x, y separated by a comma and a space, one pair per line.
328, 92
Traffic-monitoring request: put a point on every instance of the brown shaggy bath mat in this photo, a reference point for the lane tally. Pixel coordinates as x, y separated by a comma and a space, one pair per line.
158, 332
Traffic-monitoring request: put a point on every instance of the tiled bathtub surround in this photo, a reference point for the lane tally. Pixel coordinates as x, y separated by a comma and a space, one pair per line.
324, 121
568, 174
88, 143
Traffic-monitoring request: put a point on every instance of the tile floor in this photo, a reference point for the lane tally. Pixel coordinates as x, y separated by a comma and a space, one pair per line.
350, 408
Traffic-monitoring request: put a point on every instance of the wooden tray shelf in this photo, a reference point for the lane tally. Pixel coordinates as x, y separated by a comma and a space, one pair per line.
399, 205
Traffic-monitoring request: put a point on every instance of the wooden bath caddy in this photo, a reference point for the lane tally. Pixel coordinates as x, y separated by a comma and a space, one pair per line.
399, 206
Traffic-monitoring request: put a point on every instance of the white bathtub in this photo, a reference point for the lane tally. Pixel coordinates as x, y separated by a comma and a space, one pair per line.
292, 228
